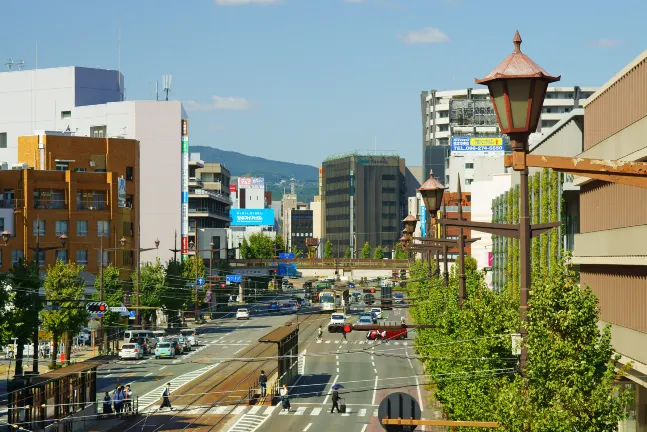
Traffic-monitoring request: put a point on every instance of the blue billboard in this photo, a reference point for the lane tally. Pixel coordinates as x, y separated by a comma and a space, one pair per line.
465, 146
233, 278
423, 221
252, 217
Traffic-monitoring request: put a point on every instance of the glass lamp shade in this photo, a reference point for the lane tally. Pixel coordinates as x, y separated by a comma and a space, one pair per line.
432, 194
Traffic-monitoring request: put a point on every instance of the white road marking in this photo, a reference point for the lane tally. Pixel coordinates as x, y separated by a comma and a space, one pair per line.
316, 411
307, 427
374, 391
364, 428
300, 411
362, 412
162, 367
337, 370
149, 374
417, 382
330, 391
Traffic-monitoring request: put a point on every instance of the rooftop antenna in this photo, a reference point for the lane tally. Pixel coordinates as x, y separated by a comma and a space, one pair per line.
157, 90
21, 64
292, 187
9, 63
166, 82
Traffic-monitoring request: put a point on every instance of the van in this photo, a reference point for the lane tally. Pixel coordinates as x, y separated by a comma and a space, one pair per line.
159, 334
129, 334
191, 335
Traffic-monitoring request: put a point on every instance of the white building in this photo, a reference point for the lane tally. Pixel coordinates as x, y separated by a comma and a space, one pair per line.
89, 102
469, 112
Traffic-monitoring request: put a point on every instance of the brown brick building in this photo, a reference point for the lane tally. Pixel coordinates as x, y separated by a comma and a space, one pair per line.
70, 185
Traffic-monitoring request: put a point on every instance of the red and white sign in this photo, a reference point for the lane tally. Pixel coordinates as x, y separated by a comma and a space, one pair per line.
232, 188
251, 183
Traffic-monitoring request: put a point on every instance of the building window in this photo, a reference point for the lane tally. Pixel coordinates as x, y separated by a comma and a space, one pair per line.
49, 198
443, 128
66, 114
129, 173
443, 141
40, 258
3, 139
469, 165
100, 170
82, 257
129, 201
61, 255
106, 258
39, 227
17, 255
468, 181
61, 227
79, 169
81, 228
93, 200
103, 228
98, 131
1, 224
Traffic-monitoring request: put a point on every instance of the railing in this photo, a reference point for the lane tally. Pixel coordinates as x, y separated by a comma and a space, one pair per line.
91, 206
212, 194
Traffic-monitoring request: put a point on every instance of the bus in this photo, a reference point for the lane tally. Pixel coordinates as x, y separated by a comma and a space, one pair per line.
327, 301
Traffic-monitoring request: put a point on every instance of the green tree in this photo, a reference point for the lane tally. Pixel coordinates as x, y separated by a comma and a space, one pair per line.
176, 295
366, 251
64, 286
297, 252
21, 282
328, 249
570, 381
347, 254
379, 253
245, 251
400, 253
113, 295
279, 244
152, 289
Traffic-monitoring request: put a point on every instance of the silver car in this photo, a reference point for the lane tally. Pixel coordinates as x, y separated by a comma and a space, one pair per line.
184, 342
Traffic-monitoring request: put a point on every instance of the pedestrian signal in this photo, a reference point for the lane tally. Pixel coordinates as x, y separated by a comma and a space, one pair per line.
96, 307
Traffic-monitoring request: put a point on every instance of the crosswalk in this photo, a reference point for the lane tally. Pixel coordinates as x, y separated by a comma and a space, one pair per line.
366, 342
146, 401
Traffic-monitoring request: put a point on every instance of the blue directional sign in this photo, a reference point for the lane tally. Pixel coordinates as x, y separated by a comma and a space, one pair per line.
100, 314
200, 281
286, 255
133, 313
233, 278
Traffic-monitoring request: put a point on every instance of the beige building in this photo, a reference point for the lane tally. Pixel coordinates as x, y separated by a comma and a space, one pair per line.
611, 249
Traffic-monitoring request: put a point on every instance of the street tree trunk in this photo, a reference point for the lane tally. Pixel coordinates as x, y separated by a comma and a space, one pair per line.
68, 347
55, 341
18, 354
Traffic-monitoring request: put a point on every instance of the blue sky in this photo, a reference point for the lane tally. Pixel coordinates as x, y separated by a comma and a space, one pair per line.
298, 80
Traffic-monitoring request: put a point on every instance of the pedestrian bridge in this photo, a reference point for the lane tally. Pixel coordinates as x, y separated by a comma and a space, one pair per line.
327, 263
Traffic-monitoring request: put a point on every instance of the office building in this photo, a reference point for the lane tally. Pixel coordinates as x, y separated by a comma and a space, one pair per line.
610, 248
209, 201
84, 188
301, 228
469, 113
365, 200
288, 203
89, 102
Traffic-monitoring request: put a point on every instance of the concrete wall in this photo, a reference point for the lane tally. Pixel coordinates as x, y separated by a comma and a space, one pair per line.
254, 198
34, 99
205, 237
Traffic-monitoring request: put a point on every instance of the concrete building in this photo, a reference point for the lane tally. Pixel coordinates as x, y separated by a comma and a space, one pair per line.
610, 248
365, 200
85, 188
301, 228
472, 168
413, 179
89, 102
469, 112
251, 193
209, 201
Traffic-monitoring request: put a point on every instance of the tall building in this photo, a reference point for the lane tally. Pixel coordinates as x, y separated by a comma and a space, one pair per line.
89, 102
288, 203
84, 188
469, 113
610, 248
365, 200
300, 229
209, 201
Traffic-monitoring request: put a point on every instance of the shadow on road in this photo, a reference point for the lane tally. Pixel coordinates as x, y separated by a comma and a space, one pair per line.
312, 386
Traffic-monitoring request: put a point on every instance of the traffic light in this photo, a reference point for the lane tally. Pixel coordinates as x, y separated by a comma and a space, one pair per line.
372, 290
96, 307
340, 328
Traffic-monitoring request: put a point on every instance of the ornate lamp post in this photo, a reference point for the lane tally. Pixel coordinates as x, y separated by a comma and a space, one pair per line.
432, 194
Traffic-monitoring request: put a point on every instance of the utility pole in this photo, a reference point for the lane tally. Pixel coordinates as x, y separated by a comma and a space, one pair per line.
101, 289
197, 276
175, 250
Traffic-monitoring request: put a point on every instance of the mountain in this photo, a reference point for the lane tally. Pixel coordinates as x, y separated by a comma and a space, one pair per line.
277, 174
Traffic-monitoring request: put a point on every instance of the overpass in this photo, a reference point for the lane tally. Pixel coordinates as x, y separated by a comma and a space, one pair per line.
353, 268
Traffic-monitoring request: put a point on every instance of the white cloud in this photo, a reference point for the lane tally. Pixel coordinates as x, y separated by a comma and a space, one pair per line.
605, 43
219, 103
427, 35
245, 2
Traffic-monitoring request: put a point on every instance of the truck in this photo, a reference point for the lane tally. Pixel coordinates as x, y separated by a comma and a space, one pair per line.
387, 295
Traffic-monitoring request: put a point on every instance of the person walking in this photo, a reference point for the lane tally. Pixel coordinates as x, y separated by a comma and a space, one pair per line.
128, 399
320, 333
166, 394
285, 400
403, 320
262, 380
335, 401
119, 400
107, 404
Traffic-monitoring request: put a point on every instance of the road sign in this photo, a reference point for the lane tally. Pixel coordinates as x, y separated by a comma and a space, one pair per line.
118, 309
94, 308
100, 314
132, 315
233, 278
286, 255
399, 405
93, 324
200, 281
207, 299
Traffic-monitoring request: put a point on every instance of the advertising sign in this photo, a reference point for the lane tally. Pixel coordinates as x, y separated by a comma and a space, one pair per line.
185, 190
251, 183
377, 160
423, 221
283, 255
233, 278
232, 188
476, 146
121, 191
251, 217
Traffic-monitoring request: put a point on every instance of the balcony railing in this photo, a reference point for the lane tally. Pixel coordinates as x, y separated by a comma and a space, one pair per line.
213, 195
91, 206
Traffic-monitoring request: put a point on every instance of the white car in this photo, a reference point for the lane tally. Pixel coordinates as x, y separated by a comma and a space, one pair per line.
242, 314
337, 318
191, 335
378, 312
131, 351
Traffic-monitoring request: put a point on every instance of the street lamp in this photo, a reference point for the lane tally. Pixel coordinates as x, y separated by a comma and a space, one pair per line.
517, 88
432, 194
410, 223
5, 236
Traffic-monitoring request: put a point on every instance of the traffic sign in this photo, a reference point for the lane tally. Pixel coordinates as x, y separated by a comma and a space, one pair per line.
200, 281
100, 314
132, 315
399, 406
286, 255
233, 278
96, 307
93, 324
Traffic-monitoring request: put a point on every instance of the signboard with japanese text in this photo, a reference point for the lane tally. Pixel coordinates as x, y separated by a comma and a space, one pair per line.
476, 146
184, 231
121, 192
251, 217
251, 183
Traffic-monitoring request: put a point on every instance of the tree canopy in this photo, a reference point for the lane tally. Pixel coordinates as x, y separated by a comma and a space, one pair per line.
379, 253
328, 249
366, 251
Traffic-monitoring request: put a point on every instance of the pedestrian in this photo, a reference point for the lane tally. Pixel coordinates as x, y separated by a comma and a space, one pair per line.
320, 333
285, 400
166, 394
263, 382
335, 401
128, 399
107, 404
119, 400
403, 320
344, 335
